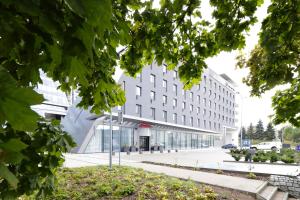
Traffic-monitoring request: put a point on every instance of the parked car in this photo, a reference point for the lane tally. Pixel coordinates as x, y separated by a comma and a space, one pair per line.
229, 146
274, 146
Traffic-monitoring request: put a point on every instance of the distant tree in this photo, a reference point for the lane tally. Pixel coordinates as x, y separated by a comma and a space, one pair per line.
291, 134
244, 133
259, 130
270, 132
250, 131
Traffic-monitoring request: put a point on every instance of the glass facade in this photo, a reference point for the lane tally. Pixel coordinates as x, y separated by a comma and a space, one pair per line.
165, 139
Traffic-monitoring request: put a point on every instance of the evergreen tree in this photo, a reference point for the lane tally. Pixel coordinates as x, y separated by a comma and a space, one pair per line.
259, 131
270, 132
250, 131
244, 133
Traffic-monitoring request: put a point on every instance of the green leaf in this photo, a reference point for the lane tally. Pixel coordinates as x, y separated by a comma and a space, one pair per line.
14, 145
15, 103
7, 175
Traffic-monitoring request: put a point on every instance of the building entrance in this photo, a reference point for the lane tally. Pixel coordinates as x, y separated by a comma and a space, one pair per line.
144, 143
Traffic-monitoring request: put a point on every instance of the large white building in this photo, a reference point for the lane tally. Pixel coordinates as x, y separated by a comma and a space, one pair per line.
159, 114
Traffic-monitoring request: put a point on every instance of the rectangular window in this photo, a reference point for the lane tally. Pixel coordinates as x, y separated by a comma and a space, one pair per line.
174, 102
152, 79
139, 77
198, 122
138, 91
191, 107
183, 105
204, 90
209, 103
123, 86
165, 115
210, 82
164, 69
165, 99
198, 110
198, 99
204, 112
175, 118
175, 89
204, 79
165, 84
138, 110
191, 121
184, 93
152, 95
199, 87
183, 119
192, 96
204, 123
153, 113
204, 101
209, 124
175, 74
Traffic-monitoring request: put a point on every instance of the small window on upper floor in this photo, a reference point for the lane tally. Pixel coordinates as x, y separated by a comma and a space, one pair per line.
192, 96
175, 89
199, 87
174, 102
191, 107
183, 92
198, 98
138, 91
183, 119
204, 90
152, 95
139, 77
165, 115
164, 99
165, 84
164, 69
152, 79
175, 74
183, 105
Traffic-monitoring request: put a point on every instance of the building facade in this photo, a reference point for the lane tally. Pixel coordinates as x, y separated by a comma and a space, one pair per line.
56, 101
159, 114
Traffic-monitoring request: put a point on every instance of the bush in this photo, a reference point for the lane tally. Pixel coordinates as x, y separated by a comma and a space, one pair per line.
256, 158
287, 159
274, 157
263, 158
236, 157
251, 175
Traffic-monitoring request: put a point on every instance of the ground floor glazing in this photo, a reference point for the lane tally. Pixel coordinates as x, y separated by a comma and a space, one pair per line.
129, 139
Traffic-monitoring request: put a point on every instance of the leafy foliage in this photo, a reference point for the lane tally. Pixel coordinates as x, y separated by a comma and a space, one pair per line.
270, 132
29, 160
275, 60
291, 134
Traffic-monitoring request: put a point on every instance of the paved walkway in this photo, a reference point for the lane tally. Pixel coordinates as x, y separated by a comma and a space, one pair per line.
236, 183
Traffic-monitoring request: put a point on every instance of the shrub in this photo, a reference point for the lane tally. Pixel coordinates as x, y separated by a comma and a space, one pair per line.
287, 159
251, 175
219, 171
236, 157
274, 157
263, 158
256, 158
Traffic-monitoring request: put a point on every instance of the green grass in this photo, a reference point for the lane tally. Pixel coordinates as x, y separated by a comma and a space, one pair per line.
124, 183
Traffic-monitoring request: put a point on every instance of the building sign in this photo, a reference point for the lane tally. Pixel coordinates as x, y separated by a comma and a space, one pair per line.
144, 125
246, 143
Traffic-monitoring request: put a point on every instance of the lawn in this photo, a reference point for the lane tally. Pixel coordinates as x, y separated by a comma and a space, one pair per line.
124, 183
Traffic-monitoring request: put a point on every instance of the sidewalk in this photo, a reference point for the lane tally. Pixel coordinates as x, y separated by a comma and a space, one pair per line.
236, 183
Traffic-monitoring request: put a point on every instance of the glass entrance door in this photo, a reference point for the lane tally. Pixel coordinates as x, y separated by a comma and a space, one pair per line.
144, 143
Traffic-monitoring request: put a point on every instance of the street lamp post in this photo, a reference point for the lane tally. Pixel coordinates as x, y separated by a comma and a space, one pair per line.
110, 142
